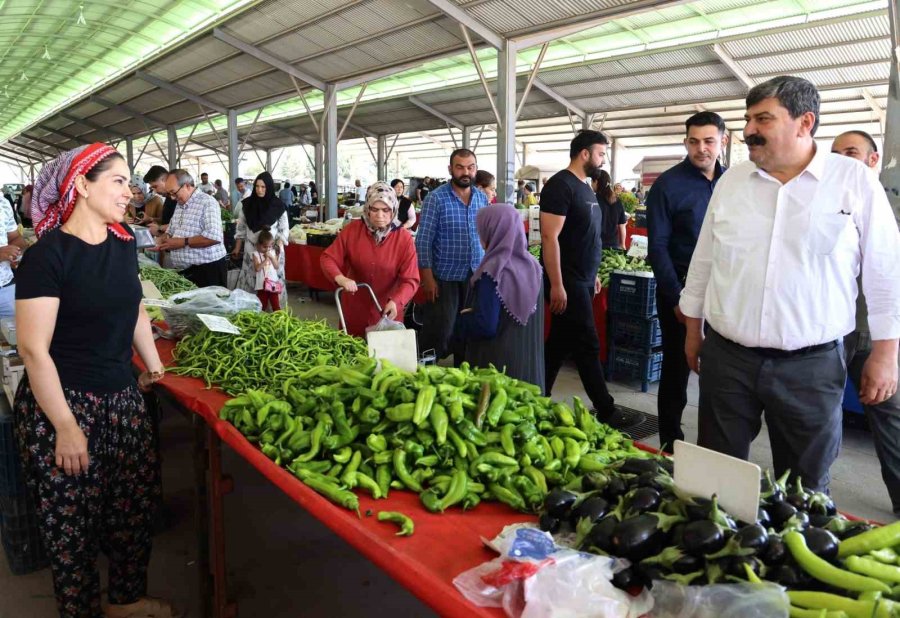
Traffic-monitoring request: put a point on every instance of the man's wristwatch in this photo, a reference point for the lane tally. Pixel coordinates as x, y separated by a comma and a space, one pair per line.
186, 242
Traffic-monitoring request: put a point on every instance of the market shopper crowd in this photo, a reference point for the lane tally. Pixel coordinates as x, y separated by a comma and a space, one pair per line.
757, 267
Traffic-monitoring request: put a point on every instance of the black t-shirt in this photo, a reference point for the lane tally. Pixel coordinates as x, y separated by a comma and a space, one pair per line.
403, 210
169, 207
423, 192
580, 247
613, 217
99, 297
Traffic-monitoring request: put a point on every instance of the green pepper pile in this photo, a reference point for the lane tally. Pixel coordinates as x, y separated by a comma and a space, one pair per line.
167, 281
227, 215
454, 436
614, 259
271, 348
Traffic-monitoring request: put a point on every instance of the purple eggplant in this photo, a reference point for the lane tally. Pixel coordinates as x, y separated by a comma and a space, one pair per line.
702, 537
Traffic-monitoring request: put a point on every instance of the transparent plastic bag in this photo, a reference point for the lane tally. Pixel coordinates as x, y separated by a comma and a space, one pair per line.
385, 323
215, 300
764, 600
535, 578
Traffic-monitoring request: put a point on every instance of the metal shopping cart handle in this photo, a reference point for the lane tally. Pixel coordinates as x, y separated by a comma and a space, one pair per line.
340, 310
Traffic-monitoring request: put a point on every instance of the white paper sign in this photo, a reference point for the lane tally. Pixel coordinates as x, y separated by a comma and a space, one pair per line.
150, 290
157, 302
218, 324
702, 472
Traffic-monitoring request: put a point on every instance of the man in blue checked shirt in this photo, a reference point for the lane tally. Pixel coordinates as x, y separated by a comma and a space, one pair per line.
449, 251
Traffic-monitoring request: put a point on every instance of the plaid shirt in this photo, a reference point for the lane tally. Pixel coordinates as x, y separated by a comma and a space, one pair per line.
7, 224
447, 240
199, 216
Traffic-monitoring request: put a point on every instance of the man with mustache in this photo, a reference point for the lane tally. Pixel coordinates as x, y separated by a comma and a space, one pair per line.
774, 277
449, 251
676, 205
571, 250
884, 417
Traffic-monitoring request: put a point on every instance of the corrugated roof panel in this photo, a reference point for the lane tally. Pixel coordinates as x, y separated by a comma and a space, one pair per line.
848, 31
874, 51
127, 90
500, 17
876, 72
676, 58
231, 71
204, 52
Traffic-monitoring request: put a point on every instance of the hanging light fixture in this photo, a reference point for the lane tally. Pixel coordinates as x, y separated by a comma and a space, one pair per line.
80, 21
46, 55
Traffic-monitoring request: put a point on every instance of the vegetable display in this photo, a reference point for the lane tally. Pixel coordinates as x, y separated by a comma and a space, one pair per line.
832, 567
166, 280
455, 436
613, 259
227, 215
271, 349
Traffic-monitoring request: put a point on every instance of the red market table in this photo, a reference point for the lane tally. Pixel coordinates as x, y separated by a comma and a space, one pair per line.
442, 547
600, 305
301, 265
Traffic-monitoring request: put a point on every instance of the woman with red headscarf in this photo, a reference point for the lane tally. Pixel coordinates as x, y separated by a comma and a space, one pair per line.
85, 435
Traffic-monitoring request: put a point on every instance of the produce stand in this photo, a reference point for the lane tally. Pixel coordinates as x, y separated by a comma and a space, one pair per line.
301, 265
424, 563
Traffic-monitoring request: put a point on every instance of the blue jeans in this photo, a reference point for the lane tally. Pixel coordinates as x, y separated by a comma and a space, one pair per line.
8, 301
884, 418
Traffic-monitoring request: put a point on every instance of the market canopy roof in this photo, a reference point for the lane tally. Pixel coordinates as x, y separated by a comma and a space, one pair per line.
626, 62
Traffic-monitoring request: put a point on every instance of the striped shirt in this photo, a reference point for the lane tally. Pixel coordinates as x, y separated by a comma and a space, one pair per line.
447, 240
199, 216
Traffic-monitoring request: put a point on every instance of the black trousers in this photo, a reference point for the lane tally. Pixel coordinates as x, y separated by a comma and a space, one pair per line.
800, 396
205, 275
675, 374
574, 334
439, 319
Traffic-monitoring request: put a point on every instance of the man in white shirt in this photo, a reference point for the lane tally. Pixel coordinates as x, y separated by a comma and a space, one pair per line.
205, 185
11, 246
243, 192
774, 277
884, 417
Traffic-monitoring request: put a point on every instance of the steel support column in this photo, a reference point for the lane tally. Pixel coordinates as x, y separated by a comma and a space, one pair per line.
129, 153
614, 159
234, 162
381, 158
172, 147
331, 144
319, 168
890, 168
506, 136
269, 162
730, 135
467, 138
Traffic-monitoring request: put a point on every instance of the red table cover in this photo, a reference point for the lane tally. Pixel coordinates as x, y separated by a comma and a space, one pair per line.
601, 305
301, 264
442, 547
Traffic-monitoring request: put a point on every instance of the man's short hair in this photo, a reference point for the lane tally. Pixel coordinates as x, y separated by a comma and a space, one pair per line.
705, 119
462, 152
584, 140
795, 94
155, 173
286, 184
238, 179
202, 174
184, 177
873, 147
217, 182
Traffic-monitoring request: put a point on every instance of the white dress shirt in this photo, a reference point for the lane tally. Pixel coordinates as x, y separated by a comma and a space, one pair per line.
776, 264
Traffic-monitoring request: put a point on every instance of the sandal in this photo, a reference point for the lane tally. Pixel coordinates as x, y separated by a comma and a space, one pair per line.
146, 607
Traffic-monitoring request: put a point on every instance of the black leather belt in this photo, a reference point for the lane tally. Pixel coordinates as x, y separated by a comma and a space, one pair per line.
6, 285
776, 353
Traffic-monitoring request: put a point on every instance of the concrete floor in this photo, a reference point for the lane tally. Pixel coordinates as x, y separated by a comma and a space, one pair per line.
283, 563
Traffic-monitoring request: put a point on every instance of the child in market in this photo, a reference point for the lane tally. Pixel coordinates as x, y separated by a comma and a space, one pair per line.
265, 261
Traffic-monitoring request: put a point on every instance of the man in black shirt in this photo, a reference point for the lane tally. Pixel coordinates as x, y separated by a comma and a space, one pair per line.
156, 177
676, 206
571, 250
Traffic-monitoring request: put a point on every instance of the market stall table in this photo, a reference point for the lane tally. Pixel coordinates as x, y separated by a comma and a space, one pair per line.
301, 265
600, 305
443, 546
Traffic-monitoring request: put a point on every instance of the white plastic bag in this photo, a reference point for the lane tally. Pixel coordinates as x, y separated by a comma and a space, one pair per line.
214, 300
385, 323
764, 600
535, 578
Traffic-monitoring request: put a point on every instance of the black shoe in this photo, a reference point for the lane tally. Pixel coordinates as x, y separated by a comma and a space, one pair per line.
621, 418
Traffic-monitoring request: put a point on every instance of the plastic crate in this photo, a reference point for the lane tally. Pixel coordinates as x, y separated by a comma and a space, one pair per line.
632, 294
635, 333
11, 481
21, 537
635, 365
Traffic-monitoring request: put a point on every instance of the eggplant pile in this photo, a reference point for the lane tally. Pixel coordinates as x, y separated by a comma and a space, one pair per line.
632, 510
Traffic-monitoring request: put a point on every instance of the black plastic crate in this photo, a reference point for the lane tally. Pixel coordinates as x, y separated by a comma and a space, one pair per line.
11, 481
21, 537
635, 333
635, 365
632, 294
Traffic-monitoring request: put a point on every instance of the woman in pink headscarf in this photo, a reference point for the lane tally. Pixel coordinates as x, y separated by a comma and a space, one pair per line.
85, 435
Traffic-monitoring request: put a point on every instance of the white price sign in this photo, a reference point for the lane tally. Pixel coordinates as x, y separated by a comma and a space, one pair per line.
218, 324
157, 302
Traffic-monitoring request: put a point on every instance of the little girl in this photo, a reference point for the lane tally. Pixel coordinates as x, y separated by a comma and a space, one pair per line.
265, 261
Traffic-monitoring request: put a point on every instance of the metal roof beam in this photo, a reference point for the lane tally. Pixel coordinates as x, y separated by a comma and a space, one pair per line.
458, 14
180, 91
873, 103
267, 58
732, 65
41, 141
550, 92
62, 133
8, 157
31, 159
43, 154
93, 125
436, 113
128, 110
